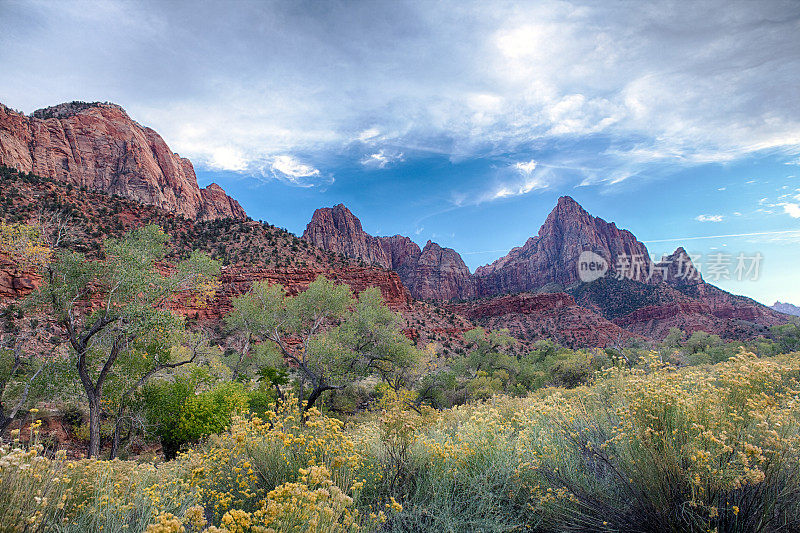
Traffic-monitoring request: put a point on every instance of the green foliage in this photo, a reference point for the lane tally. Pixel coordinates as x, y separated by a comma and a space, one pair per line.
787, 337
488, 368
128, 317
342, 338
702, 348
179, 414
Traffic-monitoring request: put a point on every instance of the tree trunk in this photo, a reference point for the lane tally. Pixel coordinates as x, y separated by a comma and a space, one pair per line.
242, 354
115, 442
315, 394
5, 421
94, 427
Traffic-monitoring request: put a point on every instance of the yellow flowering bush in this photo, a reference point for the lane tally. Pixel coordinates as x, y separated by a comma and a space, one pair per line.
701, 447
237, 469
85, 495
647, 448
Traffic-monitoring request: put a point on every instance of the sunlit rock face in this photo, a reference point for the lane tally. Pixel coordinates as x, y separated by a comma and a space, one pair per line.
100, 147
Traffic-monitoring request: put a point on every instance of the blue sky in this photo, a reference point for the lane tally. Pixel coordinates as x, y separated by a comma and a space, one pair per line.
460, 122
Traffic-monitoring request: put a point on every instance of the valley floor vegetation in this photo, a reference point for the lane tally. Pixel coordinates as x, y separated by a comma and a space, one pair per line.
314, 412
648, 448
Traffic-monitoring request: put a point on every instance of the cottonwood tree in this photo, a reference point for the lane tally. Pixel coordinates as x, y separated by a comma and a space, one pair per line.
26, 247
19, 373
324, 335
105, 305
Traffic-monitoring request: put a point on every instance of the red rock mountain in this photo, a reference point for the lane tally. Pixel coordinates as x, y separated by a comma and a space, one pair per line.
552, 255
99, 146
432, 272
786, 308
648, 300
440, 273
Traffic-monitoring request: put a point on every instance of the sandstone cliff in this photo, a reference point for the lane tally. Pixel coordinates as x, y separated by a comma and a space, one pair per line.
430, 273
100, 147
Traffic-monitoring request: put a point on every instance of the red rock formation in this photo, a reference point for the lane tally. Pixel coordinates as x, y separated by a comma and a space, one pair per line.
522, 303
552, 256
437, 273
238, 279
663, 312
337, 230
545, 316
99, 146
431, 273
14, 282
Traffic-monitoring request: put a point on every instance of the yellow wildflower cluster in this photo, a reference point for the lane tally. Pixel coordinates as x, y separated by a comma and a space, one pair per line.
25, 244
710, 441
233, 469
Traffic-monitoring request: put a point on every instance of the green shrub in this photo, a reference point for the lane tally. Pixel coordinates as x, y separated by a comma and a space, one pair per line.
179, 415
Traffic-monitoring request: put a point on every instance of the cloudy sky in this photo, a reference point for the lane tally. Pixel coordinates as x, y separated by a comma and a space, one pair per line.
460, 122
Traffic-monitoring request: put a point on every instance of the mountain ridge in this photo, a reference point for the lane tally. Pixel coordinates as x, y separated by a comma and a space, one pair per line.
99, 146
643, 296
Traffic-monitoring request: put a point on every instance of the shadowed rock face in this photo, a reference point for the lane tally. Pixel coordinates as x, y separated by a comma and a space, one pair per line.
544, 316
786, 308
99, 146
429, 273
15, 281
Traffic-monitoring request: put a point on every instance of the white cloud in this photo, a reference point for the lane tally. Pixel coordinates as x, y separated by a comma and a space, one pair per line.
369, 135
529, 181
382, 159
227, 158
793, 210
232, 88
709, 218
289, 169
526, 168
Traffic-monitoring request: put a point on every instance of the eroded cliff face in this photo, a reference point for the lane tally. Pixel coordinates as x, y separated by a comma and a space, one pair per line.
545, 316
15, 281
431, 273
552, 255
100, 147
237, 280
337, 230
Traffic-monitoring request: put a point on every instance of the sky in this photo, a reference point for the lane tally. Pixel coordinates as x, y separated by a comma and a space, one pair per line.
460, 122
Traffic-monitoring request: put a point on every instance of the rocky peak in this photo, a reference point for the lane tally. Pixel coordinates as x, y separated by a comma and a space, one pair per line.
217, 204
552, 256
97, 145
73, 108
431, 273
787, 308
338, 230
678, 268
